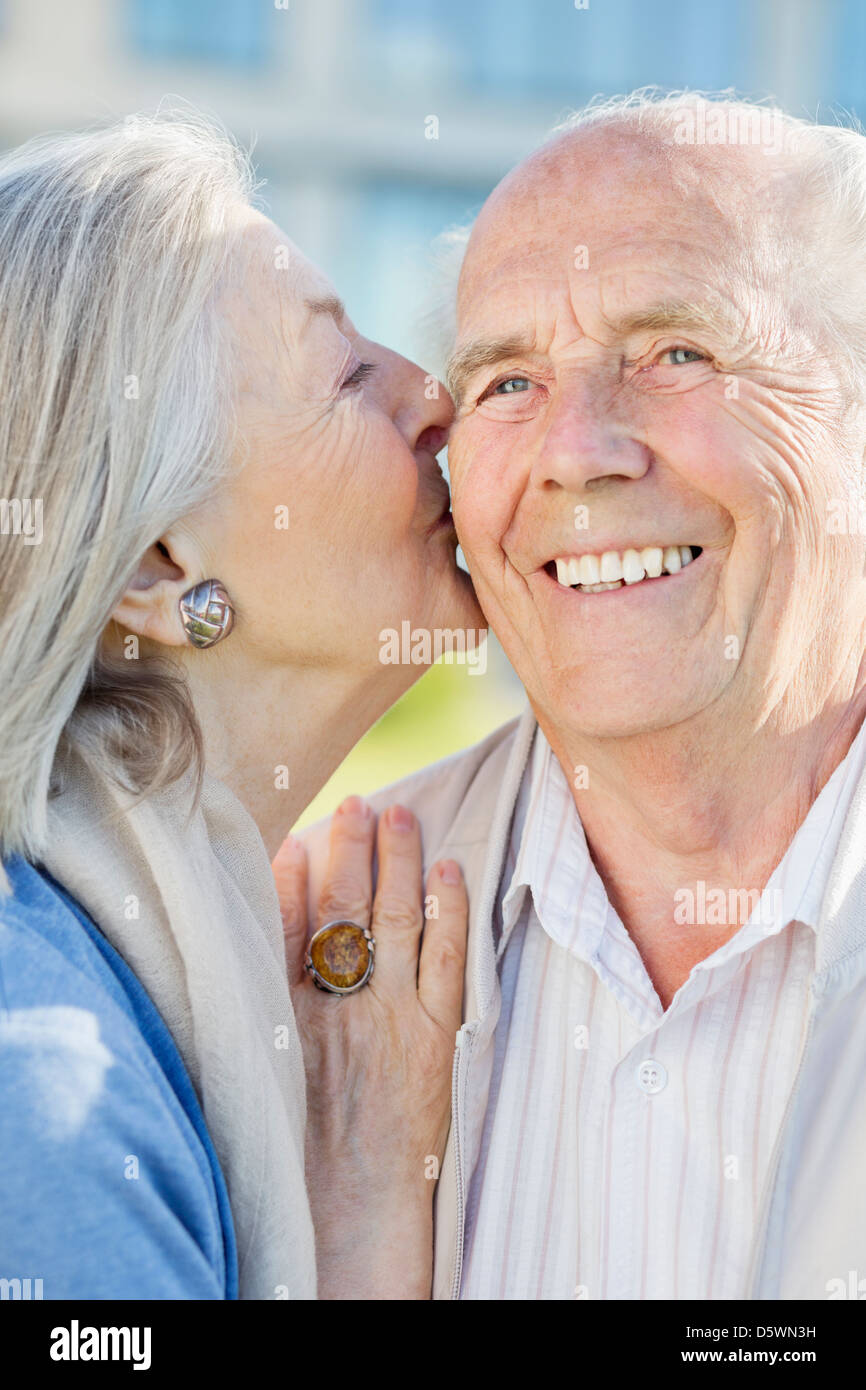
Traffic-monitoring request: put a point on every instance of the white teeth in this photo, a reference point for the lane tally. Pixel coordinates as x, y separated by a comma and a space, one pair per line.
651, 559
632, 569
589, 569
593, 574
611, 566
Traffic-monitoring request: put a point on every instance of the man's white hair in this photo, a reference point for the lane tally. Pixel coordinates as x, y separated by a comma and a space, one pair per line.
824, 236
115, 418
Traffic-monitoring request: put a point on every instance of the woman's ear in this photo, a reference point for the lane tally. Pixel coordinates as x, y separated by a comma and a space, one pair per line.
149, 607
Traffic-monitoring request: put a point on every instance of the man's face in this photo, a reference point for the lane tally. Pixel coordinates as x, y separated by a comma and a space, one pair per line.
634, 372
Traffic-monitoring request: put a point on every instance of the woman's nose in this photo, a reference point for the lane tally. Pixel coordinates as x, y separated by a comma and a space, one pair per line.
424, 410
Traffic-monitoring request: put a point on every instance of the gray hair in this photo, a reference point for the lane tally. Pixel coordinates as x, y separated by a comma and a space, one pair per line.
821, 242
115, 419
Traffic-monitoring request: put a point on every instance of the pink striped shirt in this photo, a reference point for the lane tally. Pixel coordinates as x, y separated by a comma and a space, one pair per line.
626, 1147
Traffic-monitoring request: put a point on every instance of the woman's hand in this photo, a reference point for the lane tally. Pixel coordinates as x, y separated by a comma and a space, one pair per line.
378, 1061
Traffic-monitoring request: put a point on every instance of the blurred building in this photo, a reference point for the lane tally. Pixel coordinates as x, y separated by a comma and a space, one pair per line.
338, 95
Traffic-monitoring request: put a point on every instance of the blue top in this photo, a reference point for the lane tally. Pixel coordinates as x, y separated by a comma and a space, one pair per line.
109, 1184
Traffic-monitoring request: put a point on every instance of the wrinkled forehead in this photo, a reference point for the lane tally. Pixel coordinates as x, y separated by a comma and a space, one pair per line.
271, 275
280, 308
596, 222
282, 314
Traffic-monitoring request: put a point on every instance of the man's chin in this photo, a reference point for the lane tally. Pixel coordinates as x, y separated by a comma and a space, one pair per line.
608, 711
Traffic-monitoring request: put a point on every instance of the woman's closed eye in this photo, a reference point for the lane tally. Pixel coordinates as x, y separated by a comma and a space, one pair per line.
356, 377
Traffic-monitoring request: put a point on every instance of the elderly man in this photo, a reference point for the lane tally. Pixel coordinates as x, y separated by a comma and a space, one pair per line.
657, 467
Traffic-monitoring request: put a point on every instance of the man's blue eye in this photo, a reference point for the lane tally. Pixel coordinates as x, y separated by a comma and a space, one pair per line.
683, 356
514, 383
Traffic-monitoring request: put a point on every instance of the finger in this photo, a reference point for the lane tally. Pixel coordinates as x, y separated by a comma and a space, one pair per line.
290, 875
443, 950
347, 888
397, 914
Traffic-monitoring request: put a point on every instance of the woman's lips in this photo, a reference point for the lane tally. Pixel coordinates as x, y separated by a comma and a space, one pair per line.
441, 502
442, 523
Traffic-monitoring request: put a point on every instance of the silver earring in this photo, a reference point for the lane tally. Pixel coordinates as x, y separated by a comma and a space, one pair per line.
206, 613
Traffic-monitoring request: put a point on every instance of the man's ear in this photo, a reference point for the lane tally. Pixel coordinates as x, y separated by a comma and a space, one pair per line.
149, 607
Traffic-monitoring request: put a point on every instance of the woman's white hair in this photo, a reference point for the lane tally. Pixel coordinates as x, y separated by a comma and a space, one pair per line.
818, 226
115, 422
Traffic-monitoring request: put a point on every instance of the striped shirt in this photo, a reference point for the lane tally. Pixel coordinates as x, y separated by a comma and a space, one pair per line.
626, 1147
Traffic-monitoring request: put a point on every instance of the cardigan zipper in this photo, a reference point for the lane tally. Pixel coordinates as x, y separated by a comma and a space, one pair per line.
462, 1053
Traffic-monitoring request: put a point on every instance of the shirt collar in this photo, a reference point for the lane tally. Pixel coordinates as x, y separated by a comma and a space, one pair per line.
552, 859
795, 890
547, 833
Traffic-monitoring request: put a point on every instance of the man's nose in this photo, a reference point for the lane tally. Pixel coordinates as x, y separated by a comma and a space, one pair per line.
588, 439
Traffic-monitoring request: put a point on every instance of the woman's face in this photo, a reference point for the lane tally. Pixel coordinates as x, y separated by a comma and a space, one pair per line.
337, 524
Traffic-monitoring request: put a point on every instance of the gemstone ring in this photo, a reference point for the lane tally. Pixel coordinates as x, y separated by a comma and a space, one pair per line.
340, 956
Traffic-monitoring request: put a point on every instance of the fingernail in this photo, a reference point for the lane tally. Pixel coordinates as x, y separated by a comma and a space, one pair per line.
399, 818
449, 872
353, 806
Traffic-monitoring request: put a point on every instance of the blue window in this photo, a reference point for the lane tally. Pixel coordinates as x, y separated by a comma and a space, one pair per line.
515, 48
228, 31
382, 270
847, 79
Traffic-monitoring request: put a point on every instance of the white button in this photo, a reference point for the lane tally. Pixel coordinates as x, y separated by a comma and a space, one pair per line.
651, 1076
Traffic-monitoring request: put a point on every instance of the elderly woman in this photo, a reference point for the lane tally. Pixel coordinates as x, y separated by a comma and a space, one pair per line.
236, 492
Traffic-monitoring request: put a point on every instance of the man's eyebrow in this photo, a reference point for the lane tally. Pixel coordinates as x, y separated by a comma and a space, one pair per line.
676, 315
483, 352
327, 304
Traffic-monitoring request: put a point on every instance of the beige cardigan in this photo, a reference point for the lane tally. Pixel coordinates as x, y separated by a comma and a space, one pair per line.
189, 901
812, 1231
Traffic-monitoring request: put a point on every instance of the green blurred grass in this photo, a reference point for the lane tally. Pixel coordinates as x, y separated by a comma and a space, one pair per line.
447, 709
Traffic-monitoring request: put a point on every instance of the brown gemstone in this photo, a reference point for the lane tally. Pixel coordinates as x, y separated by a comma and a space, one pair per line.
341, 955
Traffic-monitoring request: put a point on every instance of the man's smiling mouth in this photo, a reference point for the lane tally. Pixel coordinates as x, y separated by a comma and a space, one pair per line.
615, 569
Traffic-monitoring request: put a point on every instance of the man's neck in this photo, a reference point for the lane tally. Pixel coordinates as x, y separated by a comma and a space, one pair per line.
666, 811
